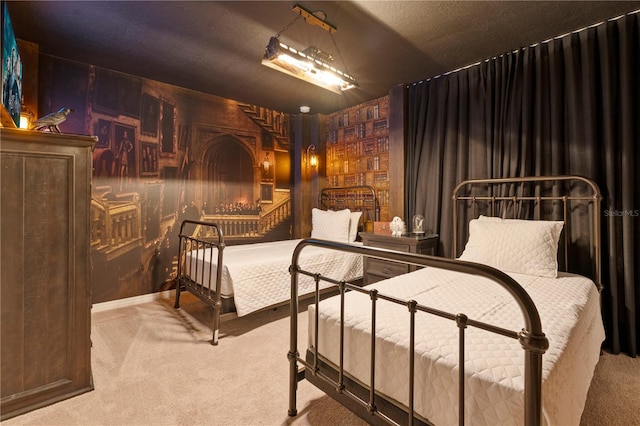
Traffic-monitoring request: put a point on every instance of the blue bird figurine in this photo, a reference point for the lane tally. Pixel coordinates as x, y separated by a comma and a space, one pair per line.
51, 121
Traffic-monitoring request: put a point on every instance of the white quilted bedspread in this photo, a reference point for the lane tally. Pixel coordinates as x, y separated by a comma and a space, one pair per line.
570, 313
257, 275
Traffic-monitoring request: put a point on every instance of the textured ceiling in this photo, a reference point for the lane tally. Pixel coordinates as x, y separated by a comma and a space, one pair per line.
216, 47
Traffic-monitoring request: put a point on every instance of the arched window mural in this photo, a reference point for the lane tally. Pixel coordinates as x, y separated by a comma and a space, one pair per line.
229, 171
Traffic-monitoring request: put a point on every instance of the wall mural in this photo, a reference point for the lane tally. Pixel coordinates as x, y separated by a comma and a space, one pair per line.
164, 154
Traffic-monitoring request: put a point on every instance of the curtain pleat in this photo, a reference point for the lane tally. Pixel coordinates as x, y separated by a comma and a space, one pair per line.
567, 106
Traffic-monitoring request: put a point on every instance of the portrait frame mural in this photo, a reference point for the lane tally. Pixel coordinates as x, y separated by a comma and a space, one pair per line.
266, 193
150, 116
148, 159
130, 91
105, 94
116, 94
125, 148
103, 133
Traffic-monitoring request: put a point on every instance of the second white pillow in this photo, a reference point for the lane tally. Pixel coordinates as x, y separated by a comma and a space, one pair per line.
512, 245
330, 225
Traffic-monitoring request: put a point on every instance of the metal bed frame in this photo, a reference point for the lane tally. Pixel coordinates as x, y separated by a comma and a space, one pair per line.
536, 198
500, 196
203, 235
208, 235
360, 198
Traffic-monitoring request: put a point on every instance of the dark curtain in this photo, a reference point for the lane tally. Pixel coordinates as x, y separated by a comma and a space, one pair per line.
567, 106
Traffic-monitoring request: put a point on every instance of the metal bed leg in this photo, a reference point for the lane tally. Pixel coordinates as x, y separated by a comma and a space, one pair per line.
293, 354
216, 322
176, 305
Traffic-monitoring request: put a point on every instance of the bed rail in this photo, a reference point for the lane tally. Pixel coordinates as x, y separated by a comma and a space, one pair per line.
531, 337
572, 199
199, 239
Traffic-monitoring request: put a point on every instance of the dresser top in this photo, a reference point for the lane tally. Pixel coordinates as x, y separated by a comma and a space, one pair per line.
411, 236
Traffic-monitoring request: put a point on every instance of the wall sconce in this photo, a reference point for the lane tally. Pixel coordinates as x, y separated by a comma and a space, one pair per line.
311, 158
265, 163
311, 65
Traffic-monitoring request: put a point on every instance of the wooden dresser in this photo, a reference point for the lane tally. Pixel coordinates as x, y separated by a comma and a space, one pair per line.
45, 320
377, 269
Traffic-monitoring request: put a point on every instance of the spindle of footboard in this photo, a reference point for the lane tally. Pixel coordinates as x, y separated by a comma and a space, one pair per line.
373, 294
412, 358
567, 230
461, 321
341, 364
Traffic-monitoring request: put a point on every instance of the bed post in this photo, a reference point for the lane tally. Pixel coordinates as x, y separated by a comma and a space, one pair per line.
293, 350
535, 344
217, 306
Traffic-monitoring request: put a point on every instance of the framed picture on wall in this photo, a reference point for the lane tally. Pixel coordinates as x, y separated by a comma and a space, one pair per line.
130, 90
148, 159
103, 133
116, 93
124, 141
266, 192
106, 92
150, 115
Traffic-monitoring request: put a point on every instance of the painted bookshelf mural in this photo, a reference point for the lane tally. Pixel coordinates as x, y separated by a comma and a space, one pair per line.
358, 149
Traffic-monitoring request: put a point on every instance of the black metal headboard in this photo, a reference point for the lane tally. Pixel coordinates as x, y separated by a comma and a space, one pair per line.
572, 199
360, 198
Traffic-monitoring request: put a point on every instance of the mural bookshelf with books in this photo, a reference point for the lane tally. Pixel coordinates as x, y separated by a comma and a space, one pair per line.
358, 149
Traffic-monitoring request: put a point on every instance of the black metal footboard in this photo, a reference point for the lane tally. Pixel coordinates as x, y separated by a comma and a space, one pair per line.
531, 337
201, 245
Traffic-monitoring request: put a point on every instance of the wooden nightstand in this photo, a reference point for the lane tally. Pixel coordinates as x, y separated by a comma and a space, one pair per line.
376, 269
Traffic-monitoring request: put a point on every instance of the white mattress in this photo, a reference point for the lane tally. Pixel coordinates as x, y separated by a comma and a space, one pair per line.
570, 313
257, 275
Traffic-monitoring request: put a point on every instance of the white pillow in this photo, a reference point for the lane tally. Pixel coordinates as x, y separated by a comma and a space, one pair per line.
353, 225
490, 219
330, 225
513, 245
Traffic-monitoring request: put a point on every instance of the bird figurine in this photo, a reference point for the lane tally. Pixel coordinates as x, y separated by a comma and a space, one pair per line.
51, 121
397, 226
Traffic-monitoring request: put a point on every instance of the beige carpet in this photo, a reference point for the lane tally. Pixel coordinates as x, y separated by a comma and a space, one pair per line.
153, 365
